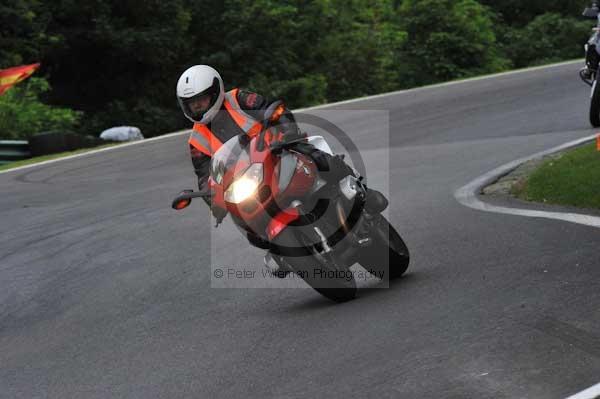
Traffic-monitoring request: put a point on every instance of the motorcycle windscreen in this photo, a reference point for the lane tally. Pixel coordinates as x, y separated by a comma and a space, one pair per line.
235, 152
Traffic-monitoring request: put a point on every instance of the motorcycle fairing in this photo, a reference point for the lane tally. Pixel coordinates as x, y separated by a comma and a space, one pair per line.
281, 221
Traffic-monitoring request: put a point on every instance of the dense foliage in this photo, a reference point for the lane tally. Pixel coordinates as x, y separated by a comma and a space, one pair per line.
22, 114
118, 61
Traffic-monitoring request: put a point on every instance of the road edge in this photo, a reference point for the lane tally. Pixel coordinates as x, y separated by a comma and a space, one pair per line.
468, 195
590, 393
350, 101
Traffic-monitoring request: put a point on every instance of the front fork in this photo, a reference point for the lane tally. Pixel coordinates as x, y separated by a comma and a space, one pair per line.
343, 243
592, 59
352, 215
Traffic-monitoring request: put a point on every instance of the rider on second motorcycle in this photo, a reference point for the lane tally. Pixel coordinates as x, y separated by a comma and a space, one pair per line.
592, 56
218, 116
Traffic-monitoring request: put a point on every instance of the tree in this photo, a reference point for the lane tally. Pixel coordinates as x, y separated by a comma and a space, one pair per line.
548, 38
518, 13
359, 50
266, 46
448, 39
23, 114
310, 51
23, 37
120, 60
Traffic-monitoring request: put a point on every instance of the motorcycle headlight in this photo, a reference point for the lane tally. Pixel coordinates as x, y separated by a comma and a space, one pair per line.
246, 185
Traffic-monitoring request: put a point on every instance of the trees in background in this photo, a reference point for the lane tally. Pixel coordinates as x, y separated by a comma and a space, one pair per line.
449, 39
24, 32
549, 37
118, 61
518, 13
22, 114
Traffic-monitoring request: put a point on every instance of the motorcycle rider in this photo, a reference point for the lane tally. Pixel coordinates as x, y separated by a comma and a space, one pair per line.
592, 56
218, 116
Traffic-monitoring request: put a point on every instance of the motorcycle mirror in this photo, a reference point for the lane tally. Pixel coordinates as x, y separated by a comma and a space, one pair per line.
274, 112
181, 204
183, 200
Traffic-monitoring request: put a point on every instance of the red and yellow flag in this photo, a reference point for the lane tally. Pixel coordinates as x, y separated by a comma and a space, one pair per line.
11, 76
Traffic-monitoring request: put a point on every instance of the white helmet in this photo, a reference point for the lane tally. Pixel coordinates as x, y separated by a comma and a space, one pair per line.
200, 93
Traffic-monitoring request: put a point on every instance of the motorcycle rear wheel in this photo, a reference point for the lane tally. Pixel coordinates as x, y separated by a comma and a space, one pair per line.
388, 254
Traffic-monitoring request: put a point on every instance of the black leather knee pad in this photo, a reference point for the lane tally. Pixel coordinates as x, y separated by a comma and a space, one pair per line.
376, 202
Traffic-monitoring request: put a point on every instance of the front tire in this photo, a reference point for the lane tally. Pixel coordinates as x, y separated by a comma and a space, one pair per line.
595, 105
317, 269
388, 254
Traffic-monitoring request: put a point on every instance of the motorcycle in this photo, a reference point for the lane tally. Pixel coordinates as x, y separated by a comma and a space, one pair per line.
589, 74
308, 226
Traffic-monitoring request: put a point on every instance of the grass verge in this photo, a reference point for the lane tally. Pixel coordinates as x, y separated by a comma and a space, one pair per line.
42, 158
573, 179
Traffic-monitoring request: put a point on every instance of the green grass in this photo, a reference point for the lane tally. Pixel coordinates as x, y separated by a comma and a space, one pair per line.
573, 179
42, 158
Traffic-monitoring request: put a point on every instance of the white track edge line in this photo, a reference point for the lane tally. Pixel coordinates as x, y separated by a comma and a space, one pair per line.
354, 100
467, 195
590, 393
91, 152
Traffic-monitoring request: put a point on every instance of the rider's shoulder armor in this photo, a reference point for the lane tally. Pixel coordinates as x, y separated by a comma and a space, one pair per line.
250, 101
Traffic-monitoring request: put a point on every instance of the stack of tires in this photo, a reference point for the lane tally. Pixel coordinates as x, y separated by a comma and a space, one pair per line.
54, 142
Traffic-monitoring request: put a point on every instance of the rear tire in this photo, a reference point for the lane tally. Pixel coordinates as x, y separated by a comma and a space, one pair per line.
595, 106
388, 254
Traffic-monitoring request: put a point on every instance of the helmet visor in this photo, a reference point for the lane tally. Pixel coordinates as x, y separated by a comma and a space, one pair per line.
196, 106
199, 105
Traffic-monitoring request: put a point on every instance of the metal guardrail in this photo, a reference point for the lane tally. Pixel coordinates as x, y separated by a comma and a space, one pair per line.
13, 150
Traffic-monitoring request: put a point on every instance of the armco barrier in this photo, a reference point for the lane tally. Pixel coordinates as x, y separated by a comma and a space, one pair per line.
13, 150
45, 144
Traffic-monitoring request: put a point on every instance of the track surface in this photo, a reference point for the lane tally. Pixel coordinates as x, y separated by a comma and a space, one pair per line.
105, 291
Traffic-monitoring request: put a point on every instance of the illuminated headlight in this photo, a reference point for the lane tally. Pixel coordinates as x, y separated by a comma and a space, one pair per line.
246, 185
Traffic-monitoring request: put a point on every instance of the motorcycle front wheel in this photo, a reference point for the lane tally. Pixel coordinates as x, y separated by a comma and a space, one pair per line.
318, 269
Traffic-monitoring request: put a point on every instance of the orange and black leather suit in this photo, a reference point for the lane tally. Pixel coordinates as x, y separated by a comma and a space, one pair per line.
240, 114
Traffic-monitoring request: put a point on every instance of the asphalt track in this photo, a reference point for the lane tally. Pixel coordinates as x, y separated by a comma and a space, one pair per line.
105, 292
